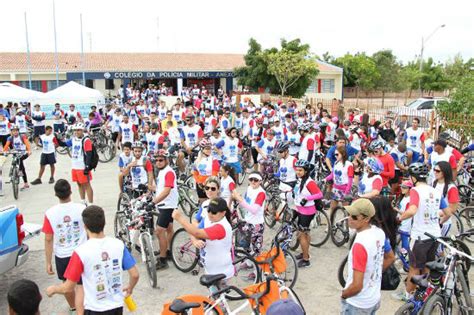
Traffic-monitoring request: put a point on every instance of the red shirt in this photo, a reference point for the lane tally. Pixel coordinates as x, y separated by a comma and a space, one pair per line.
388, 168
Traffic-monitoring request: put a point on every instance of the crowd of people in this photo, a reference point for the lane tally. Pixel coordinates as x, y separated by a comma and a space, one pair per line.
368, 160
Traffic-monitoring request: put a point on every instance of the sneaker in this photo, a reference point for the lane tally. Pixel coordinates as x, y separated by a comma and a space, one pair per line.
51, 180
25, 186
36, 182
400, 296
161, 264
300, 256
168, 255
304, 263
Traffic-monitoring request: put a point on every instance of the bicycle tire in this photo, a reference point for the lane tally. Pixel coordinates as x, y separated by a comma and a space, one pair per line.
457, 226
150, 260
289, 280
320, 229
465, 195
405, 309
434, 301
339, 227
460, 245
123, 201
467, 216
62, 150
270, 211
121, 232
248, 161
341, 275
242, 177
295, 241
15, 180
247, 271
465, 291
178, 252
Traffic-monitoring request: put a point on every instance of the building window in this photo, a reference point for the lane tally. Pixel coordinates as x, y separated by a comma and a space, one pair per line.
313, 88
35, 85
327, 86
52, 84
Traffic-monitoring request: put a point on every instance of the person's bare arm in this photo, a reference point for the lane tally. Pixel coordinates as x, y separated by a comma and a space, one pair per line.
133, 277
63, 288
356, 286
388, 260
48, 250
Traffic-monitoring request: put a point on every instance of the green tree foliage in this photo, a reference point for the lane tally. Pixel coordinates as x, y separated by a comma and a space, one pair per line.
288, 70
456, 69
389, 70
410, 77
433, 77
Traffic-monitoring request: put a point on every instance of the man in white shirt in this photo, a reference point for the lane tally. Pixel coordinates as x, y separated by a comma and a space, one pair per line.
48, 156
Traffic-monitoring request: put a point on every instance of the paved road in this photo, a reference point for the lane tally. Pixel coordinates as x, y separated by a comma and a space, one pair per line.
317, 285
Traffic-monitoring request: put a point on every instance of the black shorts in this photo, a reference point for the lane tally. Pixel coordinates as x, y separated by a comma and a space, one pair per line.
38, 131
48, 158
304, 221
61, 266
423, 252
58, 128
165, 218
254, 155
115, 136
396, 179
3, 139
115, 311
200, 191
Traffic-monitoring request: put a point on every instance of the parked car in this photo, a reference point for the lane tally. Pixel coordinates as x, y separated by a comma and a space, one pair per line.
13, 233
425, 103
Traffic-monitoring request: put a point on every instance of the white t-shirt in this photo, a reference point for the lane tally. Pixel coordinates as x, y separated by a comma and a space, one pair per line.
48, 144
64, 221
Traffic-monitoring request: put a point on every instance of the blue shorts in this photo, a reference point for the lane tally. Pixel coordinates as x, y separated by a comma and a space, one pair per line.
417, 157
236, 166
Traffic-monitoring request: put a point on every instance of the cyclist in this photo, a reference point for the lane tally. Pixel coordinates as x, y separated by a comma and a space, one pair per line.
415, 142
114, 121
154, 140
286, 170
294, 138
166, 197
20, 143
405, 225
58, 116
38, 118
441, 154
307, 143
252, 205
191, 135
23, 297
370, 185
5, 130
388, 172
306, 193
280, 131
72, 115
210, 122
127, 130
125, 158
48, 155
256, 134
342, 174
265, 146
227, 176
399, 155
229, 149
204, 166
444, 184
425, 204
21, 121
140, 169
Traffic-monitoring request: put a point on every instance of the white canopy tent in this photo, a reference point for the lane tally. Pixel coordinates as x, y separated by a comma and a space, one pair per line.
13, 93
71, 93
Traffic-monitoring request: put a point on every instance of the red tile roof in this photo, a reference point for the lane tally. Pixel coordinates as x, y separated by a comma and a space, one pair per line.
101, 62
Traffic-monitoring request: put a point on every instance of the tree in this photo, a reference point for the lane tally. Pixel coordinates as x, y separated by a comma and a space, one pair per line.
455, 69
389, 69
289, 66
256, 71
409, 78
433, 77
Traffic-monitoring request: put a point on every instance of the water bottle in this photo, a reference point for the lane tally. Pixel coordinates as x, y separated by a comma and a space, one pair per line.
131, 305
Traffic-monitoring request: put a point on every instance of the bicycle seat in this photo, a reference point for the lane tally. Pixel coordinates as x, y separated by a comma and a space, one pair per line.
435, 266
420, 280
208, 280
178, 306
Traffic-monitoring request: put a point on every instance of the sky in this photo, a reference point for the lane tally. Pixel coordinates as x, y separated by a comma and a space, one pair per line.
211, 26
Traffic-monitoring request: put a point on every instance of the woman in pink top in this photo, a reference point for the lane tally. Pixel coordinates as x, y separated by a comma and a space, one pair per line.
307, 195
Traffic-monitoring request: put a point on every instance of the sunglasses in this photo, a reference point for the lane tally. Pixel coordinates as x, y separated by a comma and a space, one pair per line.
355, 217
188, 120
210, 188
437, 170
253, 180
214, 212
160, 160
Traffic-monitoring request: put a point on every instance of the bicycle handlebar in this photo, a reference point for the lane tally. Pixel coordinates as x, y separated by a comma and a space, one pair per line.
243, 295
452, 249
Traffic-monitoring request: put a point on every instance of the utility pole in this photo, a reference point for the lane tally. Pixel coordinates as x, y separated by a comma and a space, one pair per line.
423, 43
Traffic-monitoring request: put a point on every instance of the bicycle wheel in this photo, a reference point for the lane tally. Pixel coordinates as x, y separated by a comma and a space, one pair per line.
463, 296
190, 184
460, 245
291, 272
269, 213
467, 217
15, 180
405, 309
465, 195
183, 253
62, 150
105, 152
434, 305
121, 231
123, 202
457, 226
339, 227
246, 269
342, 272
242, 176
248, 161
320, 228
150, 260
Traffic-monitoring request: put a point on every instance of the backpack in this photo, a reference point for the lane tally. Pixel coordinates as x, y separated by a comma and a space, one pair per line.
95, 155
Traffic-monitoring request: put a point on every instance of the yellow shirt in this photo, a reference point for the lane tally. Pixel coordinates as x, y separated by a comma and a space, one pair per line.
164, 124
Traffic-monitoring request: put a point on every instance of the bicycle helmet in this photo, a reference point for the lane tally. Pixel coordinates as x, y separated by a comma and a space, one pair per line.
259, 120
347, 122
374, 164
444, 135
154, 126
418, 170
315, 126
14, 127
162, 152
375, 145
323, 124
282, 146
335, 120
78, 126
138, 144
205, 143
304, 127
293, 126
303, 164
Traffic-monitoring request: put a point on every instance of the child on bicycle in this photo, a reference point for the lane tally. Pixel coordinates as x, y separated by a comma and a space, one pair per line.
125, 158
19, 143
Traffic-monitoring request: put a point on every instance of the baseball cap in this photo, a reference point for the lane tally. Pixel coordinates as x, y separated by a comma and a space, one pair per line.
285, 307
442, 142
256, 176
361, 206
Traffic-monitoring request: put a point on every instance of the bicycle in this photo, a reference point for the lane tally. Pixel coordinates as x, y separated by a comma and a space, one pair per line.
454, 285
62, 138
102, 140
15, 172
340, 232
138, 216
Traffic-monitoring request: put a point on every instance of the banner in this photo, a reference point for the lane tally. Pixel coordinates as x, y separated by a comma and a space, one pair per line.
83, 108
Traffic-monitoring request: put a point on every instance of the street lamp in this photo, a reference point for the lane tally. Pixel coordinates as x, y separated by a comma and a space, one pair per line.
423, 43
